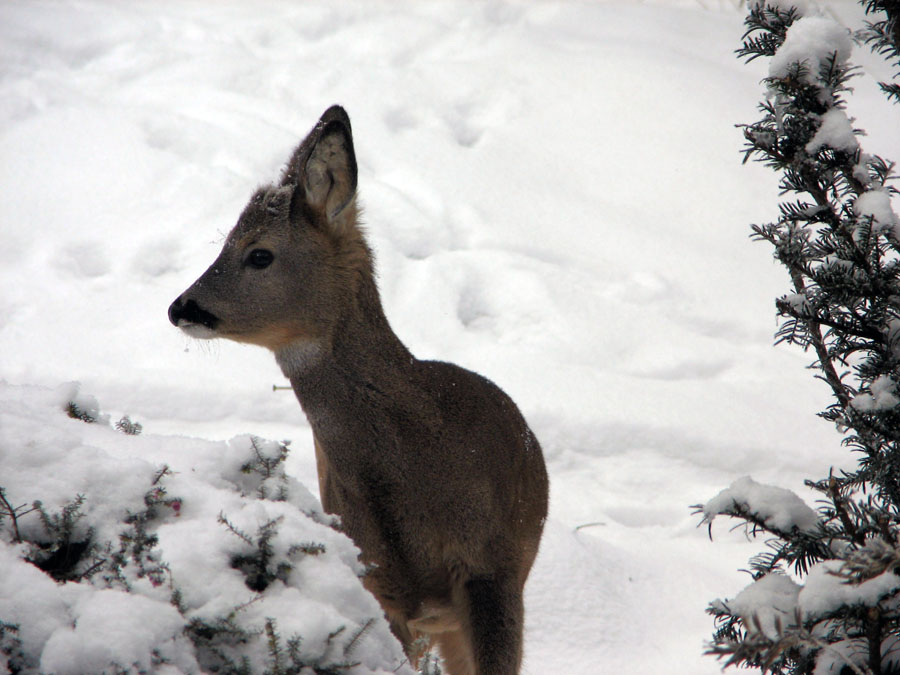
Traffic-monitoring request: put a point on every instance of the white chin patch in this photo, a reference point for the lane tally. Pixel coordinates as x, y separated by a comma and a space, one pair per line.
198, 331
298, 356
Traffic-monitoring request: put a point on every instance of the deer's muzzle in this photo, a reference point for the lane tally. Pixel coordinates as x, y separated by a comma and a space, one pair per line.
189, 316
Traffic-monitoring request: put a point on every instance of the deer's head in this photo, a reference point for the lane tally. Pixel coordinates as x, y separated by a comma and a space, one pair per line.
288, 266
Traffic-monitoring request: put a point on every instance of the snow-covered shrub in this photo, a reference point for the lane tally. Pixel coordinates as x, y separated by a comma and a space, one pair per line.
825, 596
64, 544
264, 468
171, 529
135, 557
11, 655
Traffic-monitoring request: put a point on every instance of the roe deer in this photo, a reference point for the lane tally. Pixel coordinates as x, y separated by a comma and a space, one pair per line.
432, 469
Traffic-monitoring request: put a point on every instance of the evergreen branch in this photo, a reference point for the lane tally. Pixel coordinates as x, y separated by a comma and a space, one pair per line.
859, 331
93, 568
891, 90
840, 508
798, 548
240, 534
162, 473
757, 523
818, 342
795, 643
357, 636
883, 37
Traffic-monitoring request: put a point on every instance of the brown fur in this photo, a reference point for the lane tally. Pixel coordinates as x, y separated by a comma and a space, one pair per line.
433, 470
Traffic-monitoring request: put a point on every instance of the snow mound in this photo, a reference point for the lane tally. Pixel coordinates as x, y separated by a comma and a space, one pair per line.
172, 528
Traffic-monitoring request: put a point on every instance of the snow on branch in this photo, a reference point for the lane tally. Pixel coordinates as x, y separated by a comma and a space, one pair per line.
774, 603
882, 396
876, 204
828, 589
813, 41
776, 509
767, 605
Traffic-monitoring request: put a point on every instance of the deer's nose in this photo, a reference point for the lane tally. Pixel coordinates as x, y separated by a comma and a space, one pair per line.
175, 311
186, 312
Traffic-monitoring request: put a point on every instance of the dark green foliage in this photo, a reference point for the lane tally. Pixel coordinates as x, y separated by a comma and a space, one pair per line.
267, 477
289, 659
64, 549
793, 549
76, 412
11, 654
269, 467
7, 510
259, 563
127, 426
135, 556
67, 550
218, 643
766, 28
307, 548
88, 412
844, 308
883, 35
65, 544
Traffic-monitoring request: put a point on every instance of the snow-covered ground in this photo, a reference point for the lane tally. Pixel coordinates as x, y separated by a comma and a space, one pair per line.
555, 197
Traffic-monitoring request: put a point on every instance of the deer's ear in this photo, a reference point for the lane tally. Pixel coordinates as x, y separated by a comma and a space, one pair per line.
324, 166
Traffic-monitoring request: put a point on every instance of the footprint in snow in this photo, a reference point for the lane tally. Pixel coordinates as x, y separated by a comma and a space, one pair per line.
687, 370
474, 309
156, 258
401, 119
83, 259
466, 129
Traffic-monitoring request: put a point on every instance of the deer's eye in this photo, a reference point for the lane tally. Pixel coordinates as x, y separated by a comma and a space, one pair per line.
260, 258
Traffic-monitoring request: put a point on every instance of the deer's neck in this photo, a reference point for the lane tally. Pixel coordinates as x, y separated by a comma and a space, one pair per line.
363, 361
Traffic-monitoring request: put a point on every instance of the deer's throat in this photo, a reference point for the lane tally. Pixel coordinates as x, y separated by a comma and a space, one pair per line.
299, 357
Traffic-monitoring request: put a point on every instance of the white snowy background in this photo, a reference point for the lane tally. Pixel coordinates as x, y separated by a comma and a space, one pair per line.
555, 196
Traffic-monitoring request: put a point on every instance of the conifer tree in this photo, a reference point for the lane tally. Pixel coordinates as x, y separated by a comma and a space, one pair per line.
839, 239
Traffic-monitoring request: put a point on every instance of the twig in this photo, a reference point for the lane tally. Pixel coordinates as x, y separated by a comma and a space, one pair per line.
14, 514
838, 502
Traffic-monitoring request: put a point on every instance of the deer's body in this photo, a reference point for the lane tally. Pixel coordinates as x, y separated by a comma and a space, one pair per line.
434, 472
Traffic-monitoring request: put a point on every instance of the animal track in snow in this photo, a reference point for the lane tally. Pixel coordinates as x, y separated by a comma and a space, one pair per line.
83, 259
416, 218
689, 369
156, 258
400, 119
499, 294
472, 116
